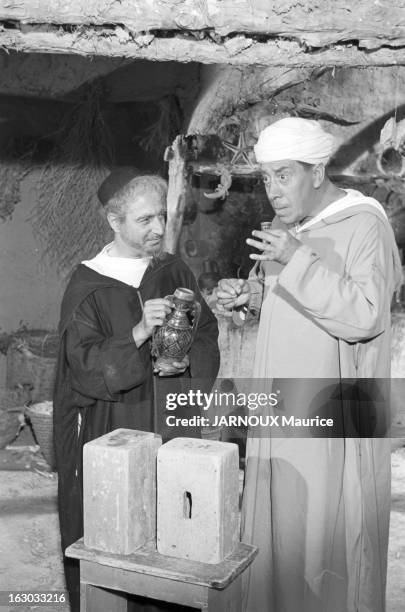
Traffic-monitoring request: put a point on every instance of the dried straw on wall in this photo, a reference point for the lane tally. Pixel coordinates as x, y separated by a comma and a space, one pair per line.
66, 217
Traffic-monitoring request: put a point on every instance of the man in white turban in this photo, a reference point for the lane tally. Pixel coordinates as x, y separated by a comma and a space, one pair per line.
317, 507
297, 139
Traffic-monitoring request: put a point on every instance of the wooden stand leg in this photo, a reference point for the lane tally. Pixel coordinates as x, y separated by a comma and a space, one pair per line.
227, 600
96, 599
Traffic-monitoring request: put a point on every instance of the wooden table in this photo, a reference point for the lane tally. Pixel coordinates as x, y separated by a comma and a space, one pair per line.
208, 587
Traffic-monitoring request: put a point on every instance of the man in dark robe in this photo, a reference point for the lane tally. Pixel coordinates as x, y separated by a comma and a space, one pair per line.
105, 375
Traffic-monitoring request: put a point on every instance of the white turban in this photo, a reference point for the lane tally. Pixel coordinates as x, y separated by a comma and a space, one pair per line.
294, 138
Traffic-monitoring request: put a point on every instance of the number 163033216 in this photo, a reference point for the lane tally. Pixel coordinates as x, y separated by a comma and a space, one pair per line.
32, 597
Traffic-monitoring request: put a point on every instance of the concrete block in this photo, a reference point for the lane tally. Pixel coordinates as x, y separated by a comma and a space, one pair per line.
197, 514
119, 490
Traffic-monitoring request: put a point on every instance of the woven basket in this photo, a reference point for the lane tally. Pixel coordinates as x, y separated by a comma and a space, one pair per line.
41, 415
31, 364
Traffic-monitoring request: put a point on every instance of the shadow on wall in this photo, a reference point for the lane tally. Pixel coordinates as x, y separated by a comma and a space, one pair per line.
364, 140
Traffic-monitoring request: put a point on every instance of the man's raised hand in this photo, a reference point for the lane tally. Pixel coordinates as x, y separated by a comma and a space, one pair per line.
276, 245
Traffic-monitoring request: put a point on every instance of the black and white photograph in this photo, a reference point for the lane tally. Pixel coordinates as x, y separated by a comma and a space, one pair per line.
202, 322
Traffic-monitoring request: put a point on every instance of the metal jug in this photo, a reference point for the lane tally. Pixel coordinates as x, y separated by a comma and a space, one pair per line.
172, 340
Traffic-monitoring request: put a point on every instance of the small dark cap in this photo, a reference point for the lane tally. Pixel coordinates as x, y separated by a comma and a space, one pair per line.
115, 181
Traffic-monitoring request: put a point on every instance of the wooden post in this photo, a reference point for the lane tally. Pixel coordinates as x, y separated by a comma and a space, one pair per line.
176, 195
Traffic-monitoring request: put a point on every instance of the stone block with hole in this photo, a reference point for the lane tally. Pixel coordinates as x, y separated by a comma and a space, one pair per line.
198, 491
119, 490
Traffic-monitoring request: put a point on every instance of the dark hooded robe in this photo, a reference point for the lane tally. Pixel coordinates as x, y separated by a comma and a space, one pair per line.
104, 381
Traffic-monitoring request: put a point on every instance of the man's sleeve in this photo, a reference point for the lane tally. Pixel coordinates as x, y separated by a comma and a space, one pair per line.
349, 306
101, 367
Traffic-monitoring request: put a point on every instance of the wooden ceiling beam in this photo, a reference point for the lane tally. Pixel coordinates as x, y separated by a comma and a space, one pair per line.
238, 51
